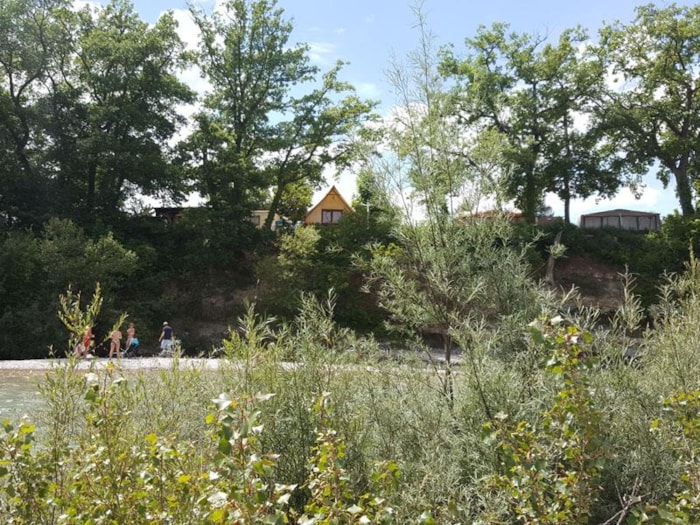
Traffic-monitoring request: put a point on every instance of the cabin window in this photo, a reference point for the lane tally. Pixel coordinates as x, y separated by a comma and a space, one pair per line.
255, 219
331, 216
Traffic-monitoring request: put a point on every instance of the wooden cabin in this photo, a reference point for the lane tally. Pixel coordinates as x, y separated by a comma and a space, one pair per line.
258, 218
170, 214
329, 210
622, 219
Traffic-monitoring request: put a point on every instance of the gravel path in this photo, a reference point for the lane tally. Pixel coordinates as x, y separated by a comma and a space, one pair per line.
164, 363
138, 363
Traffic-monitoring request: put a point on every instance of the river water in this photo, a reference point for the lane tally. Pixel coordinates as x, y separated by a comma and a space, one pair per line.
19, 393
19, 380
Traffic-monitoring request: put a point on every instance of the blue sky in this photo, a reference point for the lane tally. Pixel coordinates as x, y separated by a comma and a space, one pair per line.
367, 33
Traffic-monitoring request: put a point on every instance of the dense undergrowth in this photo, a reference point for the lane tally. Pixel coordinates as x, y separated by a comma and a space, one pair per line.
570, 427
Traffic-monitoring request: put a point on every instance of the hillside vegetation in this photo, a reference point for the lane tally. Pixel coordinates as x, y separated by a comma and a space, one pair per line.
417, 362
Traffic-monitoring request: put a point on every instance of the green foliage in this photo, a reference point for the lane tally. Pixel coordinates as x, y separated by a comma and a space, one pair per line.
74, 318
550, 472
652, 60
78, 260
449, 272
39, 268
332, 499
295, 201
243, 490
647, 255
110, 468
532, 93
23, 301
683, 419
577, 429
91, 96
314, 260
284, 277
277, 131
111, 447
23, 483
668, 249
450, 269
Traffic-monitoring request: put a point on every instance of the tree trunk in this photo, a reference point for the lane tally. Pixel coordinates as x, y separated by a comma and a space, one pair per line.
685, 195
567, 190
449, 380
530, 198
277, 197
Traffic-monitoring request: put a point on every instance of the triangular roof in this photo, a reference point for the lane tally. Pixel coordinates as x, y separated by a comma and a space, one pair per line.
335, 191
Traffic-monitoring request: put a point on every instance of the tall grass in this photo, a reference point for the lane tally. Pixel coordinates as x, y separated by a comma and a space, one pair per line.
188, 445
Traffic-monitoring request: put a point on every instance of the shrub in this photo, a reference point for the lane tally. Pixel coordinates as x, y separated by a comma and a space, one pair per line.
550, 472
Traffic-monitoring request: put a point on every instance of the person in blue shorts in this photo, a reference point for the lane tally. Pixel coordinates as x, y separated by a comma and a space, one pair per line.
166, 338
132, 341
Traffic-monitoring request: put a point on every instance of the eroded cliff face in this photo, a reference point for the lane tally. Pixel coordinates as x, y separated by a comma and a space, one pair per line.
598, 284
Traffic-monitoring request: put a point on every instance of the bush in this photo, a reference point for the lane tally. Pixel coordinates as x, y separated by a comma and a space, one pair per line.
575, 446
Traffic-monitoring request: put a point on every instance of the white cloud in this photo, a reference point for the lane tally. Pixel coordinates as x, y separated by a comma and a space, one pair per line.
322, 52
186, 28
368, 90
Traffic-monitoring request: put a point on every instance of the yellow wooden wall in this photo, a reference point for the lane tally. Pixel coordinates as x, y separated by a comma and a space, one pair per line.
332, 201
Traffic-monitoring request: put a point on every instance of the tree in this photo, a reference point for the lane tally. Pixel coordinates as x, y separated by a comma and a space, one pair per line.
113, 107
34, 270
539, 97
578, 161
499, 87
295, 201
654, 113
269, 133
87, 107
30, 43
441, 276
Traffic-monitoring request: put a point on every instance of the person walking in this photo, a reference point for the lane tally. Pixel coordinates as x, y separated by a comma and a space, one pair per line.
131, 341
116, 343
166, 339
83, 347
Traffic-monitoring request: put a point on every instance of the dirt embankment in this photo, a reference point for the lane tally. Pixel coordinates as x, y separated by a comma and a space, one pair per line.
599, 284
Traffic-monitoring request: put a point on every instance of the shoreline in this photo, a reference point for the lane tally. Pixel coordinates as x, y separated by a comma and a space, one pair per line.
131, 363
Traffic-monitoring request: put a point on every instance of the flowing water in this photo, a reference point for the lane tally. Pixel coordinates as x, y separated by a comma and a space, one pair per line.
19, 393
19, 380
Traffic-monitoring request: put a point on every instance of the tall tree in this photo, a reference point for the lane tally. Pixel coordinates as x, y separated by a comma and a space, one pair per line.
30, 37
577, 160
448, 276
539, 97
655, 114
114, 108
87, 106
500, 86
270, 131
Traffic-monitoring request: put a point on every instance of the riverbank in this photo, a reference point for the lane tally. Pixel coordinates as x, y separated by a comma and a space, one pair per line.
145, 363
199, 363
